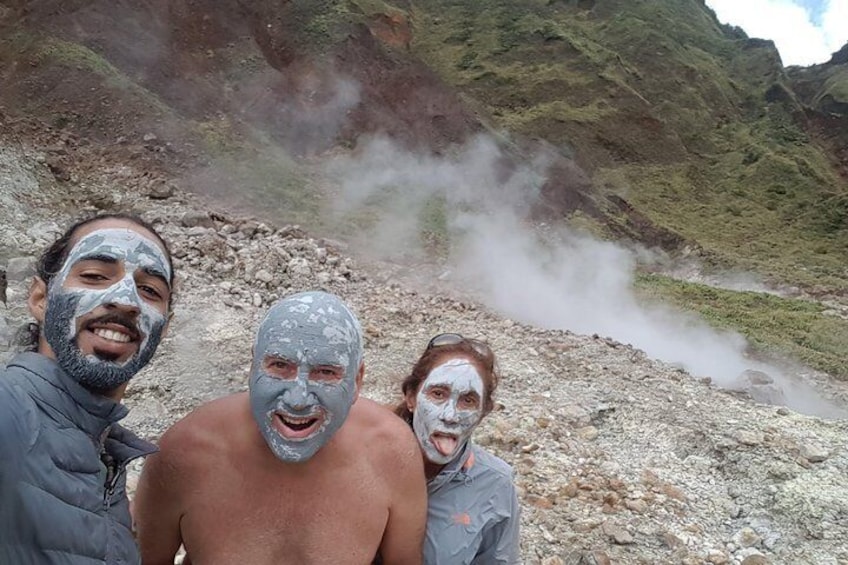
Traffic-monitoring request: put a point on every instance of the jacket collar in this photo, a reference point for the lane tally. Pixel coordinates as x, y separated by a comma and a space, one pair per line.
92, 413
457, 468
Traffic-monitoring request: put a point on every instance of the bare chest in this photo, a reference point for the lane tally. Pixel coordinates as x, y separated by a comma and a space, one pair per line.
244, 516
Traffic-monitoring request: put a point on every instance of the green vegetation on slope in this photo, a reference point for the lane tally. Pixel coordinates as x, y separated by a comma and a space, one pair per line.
837, 87
692, 120
773, 325
44, 50
765, 232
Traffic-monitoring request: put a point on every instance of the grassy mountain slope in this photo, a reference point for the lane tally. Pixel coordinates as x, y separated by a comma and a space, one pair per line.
693, 123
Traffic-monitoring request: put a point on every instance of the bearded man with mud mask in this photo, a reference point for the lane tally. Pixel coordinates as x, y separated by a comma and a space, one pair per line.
300, 470
102, 303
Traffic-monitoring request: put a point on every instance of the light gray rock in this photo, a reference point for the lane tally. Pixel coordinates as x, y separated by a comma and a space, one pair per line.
813, 452
43, 233
263, 276
20, 269
161, 191
6, 334
193, 219
300, 266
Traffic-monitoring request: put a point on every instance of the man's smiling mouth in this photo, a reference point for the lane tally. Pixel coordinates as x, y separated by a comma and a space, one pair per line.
297, 428
113, 330
112, 340
112, 335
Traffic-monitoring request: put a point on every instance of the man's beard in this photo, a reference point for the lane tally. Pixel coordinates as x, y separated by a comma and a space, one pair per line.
96, 375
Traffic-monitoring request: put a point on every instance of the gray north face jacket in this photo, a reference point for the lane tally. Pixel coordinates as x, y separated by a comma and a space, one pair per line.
473, 514
63, 459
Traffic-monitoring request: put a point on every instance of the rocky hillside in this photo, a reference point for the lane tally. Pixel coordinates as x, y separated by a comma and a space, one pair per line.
619, 459
823, 90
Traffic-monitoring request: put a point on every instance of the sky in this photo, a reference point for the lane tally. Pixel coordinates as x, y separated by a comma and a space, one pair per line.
805, 32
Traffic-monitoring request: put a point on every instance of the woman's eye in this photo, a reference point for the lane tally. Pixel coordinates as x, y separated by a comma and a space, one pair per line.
93, 277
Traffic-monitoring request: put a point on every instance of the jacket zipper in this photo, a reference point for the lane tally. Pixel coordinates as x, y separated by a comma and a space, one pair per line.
110, 488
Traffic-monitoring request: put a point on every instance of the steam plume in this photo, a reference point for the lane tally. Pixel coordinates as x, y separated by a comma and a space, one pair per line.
563, 280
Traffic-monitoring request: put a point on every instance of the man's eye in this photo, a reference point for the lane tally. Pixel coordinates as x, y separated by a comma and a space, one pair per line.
281, 368
327, 373
150, 291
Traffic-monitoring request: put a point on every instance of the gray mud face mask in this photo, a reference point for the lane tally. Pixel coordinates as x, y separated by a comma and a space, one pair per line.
308, 330
65, 307
446, 416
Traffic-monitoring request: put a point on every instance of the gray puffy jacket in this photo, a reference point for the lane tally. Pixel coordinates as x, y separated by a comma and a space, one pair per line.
63, 459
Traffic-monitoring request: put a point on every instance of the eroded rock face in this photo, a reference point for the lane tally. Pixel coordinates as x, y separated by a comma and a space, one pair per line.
618, 458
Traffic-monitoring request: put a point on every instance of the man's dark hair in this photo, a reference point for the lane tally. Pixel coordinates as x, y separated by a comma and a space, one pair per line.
53, 259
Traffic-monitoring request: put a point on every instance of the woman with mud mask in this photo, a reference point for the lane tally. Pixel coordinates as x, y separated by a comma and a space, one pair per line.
473, 510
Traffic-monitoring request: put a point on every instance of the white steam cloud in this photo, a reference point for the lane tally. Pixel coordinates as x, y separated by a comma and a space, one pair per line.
560, 280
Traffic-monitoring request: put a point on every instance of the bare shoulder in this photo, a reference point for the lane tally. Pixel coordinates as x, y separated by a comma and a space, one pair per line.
380, 423
206, 430
387, 434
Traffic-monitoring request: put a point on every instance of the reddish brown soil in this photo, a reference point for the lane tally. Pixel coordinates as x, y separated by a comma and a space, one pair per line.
179, 68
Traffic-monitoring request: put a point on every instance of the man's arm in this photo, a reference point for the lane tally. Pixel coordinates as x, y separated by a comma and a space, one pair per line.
404, 534
158, 503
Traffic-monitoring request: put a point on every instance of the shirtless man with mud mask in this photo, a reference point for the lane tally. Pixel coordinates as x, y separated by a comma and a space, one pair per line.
298, 471
102, 302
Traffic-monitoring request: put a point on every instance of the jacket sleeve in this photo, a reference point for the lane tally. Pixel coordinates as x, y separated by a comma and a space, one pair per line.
13, 444
501, 543
12, 432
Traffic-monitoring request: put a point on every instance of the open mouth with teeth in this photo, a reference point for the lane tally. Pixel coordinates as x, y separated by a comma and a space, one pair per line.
444, 443
112, 341
112, 335
297, 428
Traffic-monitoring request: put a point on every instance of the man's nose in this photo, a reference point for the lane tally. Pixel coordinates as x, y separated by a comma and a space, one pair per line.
297, 396
125, 298
128, 309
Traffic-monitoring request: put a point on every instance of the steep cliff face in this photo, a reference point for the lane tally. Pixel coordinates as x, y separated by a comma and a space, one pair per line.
823, 89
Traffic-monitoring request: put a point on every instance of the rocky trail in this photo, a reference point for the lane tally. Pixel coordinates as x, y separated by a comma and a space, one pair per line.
618, 458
